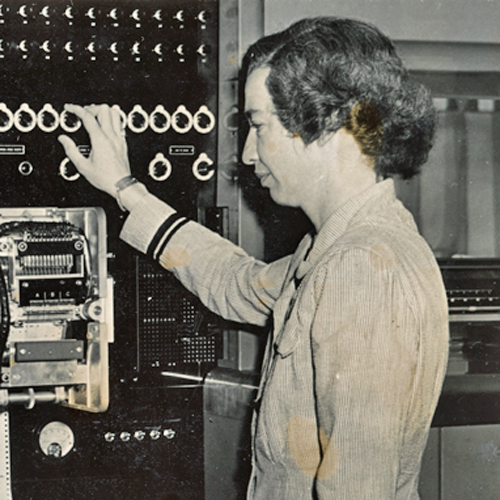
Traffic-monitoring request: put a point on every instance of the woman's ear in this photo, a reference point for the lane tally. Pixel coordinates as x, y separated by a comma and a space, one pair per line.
364, 122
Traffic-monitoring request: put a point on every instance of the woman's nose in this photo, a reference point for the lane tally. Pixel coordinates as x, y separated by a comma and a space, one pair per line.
250, 155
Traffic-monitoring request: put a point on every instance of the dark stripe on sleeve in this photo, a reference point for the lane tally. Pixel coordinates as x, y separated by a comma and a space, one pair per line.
168, 238
167, 224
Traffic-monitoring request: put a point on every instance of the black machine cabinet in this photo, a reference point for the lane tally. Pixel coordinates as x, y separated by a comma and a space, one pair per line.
157, 61
148, 445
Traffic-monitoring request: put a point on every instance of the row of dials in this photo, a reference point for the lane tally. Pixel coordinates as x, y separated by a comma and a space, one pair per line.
57, 439
138, 120
140, 435
94, 16
159, 168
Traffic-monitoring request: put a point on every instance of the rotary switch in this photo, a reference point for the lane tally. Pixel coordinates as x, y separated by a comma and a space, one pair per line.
182, 120
68, 171
25, 118
69, 121
48, 118
160, 168
6, 118
203, 167
159, 120
203, 120
138, 119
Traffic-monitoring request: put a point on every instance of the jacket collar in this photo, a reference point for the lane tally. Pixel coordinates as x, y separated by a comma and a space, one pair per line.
360, 207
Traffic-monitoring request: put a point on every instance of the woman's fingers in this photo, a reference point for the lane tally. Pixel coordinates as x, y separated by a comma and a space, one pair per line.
73, 153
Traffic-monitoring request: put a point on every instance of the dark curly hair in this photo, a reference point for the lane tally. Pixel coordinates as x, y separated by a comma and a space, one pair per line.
327, 73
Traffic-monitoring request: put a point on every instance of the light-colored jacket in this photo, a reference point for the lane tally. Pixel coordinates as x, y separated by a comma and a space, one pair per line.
358, 350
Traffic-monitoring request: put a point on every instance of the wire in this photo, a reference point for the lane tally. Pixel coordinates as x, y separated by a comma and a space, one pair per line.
4, 313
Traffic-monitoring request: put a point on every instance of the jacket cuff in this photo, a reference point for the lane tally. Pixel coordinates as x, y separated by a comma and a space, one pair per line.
150, 222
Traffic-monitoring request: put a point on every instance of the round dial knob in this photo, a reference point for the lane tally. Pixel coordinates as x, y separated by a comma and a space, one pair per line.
203, 167
182, 120
159, 120
138, 119
68, 171
25, 118
69, 121
203, 120
160, 168
6, 118
48, 118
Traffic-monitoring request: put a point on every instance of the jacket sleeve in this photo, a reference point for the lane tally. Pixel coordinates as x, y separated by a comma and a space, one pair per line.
365, 354
227, 280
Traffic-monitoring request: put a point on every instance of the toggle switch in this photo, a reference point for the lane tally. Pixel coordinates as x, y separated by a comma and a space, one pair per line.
113, 48
91, 47
204, 50
179, 16
115, 15
24, 13
158, 49
203, 16
46, 14
23, 46
158, 15
46, 47
68, 13
68, 47
136, 15
136, 49
91, 13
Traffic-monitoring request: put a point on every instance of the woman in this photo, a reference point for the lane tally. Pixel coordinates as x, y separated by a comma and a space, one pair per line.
359, 331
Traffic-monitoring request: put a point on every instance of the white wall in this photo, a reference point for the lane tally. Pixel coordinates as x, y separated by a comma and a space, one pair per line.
422, 20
